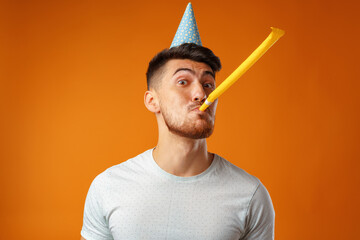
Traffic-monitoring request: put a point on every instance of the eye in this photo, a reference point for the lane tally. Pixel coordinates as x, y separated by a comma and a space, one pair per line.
208, 85
182, 82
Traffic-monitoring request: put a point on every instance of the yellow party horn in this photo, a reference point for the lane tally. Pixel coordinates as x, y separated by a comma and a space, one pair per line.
269, 41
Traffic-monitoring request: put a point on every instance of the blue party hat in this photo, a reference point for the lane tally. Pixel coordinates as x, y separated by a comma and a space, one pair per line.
187, 31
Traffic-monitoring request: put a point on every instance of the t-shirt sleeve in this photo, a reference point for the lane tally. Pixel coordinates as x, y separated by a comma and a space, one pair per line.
260, 219
95, 226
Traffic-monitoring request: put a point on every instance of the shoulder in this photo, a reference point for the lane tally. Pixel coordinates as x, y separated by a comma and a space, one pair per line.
259, 214
243, 182
236, 174
127, 169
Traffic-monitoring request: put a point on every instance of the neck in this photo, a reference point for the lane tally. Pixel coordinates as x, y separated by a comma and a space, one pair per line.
182, 156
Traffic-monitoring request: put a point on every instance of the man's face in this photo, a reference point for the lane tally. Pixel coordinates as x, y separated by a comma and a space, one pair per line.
184, 86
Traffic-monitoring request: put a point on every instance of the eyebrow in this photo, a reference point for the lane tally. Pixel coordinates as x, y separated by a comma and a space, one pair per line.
193, 72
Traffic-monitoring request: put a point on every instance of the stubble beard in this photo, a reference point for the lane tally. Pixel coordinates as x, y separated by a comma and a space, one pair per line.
201, 127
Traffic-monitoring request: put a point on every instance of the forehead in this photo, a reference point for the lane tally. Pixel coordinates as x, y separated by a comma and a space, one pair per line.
174, 64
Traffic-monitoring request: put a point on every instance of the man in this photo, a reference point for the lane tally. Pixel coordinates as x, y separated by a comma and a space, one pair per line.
179, 190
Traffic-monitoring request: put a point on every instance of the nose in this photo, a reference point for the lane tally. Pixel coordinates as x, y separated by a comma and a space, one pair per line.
198, 93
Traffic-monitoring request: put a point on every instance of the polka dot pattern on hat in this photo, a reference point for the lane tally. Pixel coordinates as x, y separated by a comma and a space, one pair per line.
187, 31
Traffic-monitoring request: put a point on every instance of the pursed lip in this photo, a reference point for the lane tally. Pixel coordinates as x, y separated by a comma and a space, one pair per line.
196, 109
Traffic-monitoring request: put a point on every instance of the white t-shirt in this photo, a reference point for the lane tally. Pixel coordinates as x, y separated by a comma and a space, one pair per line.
138, 200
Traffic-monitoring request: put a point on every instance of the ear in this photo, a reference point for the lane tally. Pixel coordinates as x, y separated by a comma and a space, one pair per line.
151, 101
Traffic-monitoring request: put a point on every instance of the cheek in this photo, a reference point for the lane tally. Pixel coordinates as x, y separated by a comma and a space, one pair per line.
178, 101
174, 101
171, 107
214, 106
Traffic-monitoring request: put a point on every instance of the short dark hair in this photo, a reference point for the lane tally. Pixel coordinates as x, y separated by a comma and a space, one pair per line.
190, 51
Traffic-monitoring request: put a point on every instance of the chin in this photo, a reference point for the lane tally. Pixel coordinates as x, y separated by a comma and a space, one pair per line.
194, 132
197, 126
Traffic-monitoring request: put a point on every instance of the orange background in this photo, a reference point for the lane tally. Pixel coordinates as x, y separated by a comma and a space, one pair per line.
71, 98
